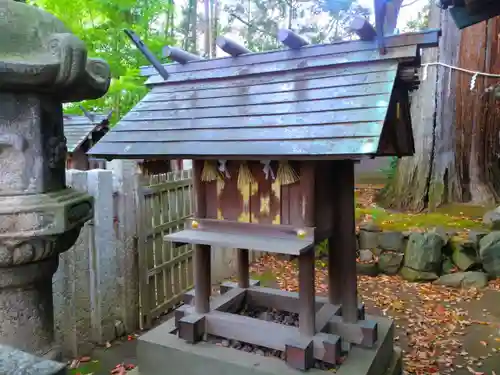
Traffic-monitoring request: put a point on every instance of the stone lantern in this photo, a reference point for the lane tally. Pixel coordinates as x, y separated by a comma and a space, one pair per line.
42, 66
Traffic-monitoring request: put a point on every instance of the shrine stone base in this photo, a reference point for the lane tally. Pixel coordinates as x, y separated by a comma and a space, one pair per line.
161, 352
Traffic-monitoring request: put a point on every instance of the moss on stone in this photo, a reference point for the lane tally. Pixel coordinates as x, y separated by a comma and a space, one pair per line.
406, 221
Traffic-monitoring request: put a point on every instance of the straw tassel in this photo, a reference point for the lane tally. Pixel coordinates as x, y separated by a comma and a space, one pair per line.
245, 177
286, 175
210, 172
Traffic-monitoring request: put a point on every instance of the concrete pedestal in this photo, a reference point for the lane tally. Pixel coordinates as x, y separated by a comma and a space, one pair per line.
159, 352
26, 309
16, 362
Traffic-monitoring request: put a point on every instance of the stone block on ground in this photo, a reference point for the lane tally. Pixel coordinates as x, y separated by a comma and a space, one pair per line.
368, 240
365, 255
492, 219
392, 241
465, 280
17, 362
370, 226
447, 267
410, 274
463, 254
476, 235
367, 269
445, 234
424, 252
390, 262
489, 253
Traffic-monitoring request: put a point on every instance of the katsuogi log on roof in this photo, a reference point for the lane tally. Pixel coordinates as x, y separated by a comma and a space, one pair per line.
342, 100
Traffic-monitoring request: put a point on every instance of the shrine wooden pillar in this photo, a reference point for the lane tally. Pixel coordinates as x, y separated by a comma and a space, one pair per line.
342, 250
201, 256
307, 290
243, 268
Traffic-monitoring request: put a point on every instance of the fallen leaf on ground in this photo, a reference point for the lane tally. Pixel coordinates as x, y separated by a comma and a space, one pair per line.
472, 371
119, 370
430, 322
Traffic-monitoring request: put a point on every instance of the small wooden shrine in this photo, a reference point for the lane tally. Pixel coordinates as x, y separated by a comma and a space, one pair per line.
81, 133
274, 137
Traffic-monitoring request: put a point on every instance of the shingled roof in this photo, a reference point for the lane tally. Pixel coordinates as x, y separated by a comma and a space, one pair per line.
78, 128
331, 100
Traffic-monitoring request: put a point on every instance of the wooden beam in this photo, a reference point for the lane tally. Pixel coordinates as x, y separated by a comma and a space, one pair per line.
188, 297
291, 39
228, 285
230, 46
363, 333
231, 301
192, 328
299, 353
324, 315
201, 255
362, 27
179, 55
278, 299
270, 335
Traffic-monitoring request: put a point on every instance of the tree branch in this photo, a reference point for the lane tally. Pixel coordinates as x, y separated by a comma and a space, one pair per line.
410, 3
250, 25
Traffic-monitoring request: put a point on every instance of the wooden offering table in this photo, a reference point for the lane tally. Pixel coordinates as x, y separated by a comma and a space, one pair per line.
274, 138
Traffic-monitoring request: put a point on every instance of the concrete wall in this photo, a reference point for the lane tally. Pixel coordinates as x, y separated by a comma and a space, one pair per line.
84, 286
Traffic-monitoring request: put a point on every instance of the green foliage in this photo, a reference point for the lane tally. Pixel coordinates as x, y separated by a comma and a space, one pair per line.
100, 24
258, 21
390, 170
321, 249
421, 21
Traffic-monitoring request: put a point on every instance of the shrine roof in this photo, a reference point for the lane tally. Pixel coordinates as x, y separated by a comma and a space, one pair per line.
79, 128
330, 100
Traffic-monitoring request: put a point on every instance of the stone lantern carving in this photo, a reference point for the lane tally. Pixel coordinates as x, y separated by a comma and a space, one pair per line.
42, 65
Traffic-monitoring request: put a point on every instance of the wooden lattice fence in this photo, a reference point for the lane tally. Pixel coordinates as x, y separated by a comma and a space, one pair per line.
165, 272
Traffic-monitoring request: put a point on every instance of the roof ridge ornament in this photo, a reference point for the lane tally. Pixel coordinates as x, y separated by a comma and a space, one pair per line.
179, 55
291, 39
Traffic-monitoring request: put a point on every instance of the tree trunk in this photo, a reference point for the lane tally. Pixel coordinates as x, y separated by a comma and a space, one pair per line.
215, 25
477, 114
429, 178
456, 129
193, 16
207, 27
